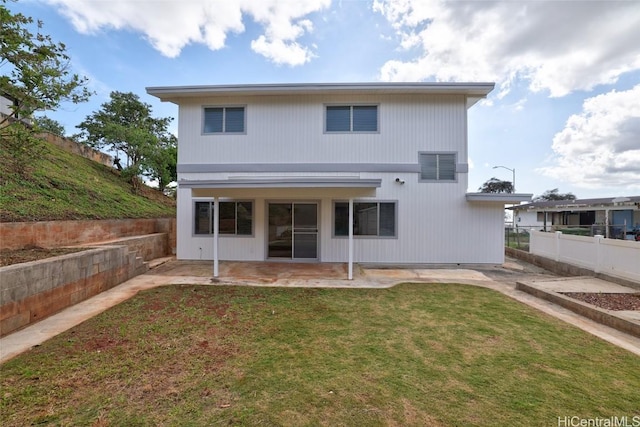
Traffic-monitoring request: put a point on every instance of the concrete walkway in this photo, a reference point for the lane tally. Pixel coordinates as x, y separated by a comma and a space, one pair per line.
500, 278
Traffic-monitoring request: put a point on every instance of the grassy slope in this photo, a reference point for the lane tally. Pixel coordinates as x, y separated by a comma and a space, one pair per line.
64, 186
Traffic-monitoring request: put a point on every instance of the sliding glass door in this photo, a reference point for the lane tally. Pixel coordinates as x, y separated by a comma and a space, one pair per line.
293, 230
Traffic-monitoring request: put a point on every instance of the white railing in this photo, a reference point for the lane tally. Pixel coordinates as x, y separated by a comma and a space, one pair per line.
620, 258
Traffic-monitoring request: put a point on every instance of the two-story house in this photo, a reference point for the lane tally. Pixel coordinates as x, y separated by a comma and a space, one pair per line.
365, 173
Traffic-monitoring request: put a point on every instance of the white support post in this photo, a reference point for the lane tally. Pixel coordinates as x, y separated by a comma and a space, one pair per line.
216, 217
557, 248
350, 239
606, 223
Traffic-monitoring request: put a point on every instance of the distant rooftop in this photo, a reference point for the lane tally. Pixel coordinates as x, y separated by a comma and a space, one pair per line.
581, 203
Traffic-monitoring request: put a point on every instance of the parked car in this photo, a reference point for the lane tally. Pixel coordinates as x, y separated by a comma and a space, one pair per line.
633, 235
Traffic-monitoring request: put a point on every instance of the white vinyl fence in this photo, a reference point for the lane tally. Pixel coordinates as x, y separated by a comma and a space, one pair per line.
620, 258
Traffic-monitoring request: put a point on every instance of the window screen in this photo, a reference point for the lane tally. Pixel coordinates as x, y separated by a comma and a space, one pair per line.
347, 118
224, 120
437, 166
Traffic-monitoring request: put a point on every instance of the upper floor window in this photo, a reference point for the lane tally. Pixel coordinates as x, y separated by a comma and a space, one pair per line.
224, 120
351, 118
369, 219
236, 218
437, 166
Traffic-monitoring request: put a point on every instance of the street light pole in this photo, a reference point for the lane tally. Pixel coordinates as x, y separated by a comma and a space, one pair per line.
514, 175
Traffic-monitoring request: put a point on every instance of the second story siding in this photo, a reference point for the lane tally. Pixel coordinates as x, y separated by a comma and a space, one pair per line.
291, 129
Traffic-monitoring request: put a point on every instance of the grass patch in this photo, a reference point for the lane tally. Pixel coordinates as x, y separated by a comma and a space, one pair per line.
33, 253
63, 186
436, 354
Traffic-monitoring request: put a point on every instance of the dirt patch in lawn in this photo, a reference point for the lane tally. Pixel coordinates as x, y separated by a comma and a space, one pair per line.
608, 301
34, 253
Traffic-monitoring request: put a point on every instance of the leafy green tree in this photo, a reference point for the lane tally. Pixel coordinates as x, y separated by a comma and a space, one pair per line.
124, 124
495, 185
550, 195
46, 124
35, 76
161, 163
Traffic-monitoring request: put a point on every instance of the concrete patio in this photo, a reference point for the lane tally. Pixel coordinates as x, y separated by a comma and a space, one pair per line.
167, 271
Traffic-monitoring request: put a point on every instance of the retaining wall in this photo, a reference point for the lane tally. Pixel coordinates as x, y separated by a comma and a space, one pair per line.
34, 290
565, 269
51, 234
77, 148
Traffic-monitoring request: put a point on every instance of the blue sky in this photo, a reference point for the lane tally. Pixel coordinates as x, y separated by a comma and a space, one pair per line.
565, 112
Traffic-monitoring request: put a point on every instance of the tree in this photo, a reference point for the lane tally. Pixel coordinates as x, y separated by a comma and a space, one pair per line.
494, 185
124, 124
550, 195
46, 124
161, 163
37, 76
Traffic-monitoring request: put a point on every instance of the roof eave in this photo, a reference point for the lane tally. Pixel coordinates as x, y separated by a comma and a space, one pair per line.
473, 90
498, 198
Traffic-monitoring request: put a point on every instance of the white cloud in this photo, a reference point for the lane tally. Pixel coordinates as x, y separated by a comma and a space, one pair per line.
170, 25
281, 52
600, 147
558, 46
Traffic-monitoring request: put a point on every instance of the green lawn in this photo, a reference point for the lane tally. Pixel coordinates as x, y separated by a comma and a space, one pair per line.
416, 354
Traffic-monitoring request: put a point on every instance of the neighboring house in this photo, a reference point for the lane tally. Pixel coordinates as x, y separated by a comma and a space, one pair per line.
613, 216
368, 173
7, 105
